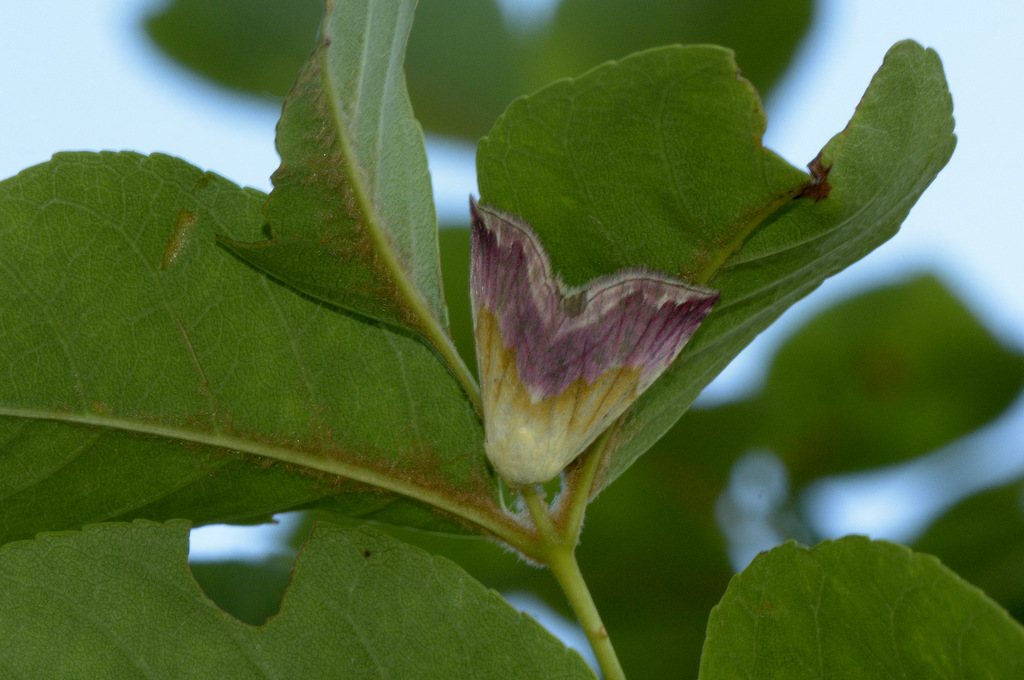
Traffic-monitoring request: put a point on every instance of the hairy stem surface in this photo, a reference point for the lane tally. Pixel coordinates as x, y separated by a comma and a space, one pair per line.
557, 550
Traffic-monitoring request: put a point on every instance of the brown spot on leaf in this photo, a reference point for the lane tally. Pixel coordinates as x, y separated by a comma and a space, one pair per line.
818, 187
183, 224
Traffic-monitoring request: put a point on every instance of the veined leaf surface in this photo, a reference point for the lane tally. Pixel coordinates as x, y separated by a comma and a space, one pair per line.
360, 605
140, 358
855, 608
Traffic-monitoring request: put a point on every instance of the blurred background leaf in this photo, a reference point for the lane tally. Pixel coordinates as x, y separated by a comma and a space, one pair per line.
256, 46
467, 59
883, 377
982, 539
249, 590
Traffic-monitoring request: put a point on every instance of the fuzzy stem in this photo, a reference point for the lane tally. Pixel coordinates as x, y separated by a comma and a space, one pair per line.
579, 493
558, 552
562, 562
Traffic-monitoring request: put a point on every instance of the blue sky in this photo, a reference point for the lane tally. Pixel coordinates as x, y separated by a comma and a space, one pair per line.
81, 75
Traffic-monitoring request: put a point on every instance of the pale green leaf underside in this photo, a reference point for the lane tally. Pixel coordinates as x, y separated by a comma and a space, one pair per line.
360, 605
138, 354
853, 609
351, 214
612, 175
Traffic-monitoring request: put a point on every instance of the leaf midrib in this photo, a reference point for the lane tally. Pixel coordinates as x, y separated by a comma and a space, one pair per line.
431, 327
494, 521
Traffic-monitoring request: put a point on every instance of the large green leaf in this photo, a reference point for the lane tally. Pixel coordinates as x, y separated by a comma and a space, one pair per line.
351, 215
644, 162
139, 355
360, 605
656, 160
853, 609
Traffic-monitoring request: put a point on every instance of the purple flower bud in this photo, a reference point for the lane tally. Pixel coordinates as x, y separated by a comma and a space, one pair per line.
558, 364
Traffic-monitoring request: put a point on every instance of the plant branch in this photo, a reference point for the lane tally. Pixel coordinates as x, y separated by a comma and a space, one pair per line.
579, 493
558, 551
562, 562
549, 535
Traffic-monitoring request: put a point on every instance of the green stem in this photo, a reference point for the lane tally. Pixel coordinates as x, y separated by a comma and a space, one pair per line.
579, 493
562, 562
558, 552
541, 517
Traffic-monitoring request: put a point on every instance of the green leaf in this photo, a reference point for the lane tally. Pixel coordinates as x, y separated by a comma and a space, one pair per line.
982, 538
359, 604
141, 359
351, 214
255, 46
855, 608
666, 143
656, 161
870, 382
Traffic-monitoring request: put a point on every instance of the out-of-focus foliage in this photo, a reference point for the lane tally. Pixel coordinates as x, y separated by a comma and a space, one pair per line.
884, 377
256, 46
868, 382
466, 61
982, 539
